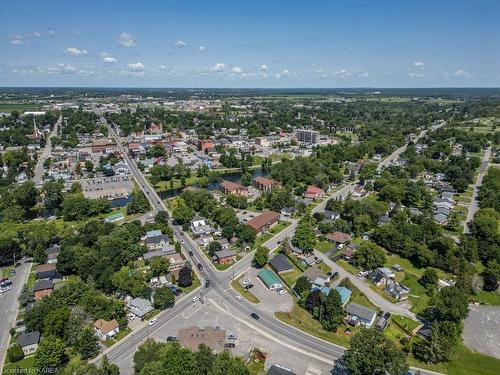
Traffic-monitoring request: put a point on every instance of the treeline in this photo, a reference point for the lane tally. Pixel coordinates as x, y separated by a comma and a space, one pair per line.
16, 128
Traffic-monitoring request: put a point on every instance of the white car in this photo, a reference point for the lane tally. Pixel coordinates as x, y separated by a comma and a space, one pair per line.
131, 316
196, 298
246, 282
282, 291
153, 321
238, 298
363, 273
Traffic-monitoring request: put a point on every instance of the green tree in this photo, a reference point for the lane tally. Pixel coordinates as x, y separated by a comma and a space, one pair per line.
148, 352
304, 237
129, 281
246, 179
333, 313
13, 214
185, 277
51, 354
52, 194
261, 257
39, 255
371, 353
15, 353
440, 345
451, 304
182, 213
429, 279
25, 296
26, 195
56, 321
159, 266
87, 344
213, 247
302, 285
370, 256
204, 360
163, 298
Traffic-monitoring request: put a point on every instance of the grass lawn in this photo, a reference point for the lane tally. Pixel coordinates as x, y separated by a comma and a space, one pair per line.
26, 363
194, 285
6, 271
466, 362
301, 319
325, 268
31, 278
406, 324
324, 246
244, 292
165, 185
261, 239
20, 107
348, 267
118, 337
418, 297
151, 314
290, 277
489, 298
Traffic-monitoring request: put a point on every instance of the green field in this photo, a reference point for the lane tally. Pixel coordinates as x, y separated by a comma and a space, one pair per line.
20, 107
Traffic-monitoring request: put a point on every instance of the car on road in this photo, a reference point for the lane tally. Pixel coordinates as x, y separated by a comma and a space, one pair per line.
190, 253
255, 316
238, 298
172, 338
200, 266
333, 275
363, 273
196, 298
182, 241
12, 272
153, 321
232, 336
207, 283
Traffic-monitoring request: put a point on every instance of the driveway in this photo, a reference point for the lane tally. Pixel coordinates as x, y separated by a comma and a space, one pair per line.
482, 330
401, 308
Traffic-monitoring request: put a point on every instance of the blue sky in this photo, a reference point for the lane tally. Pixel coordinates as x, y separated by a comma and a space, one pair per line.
281, 43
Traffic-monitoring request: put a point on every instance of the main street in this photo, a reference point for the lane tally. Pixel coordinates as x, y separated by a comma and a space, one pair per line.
39, 169
221, 293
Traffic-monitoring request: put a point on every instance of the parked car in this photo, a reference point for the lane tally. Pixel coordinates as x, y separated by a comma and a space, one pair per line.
232, 336
238, 298
246, 282
334, 275
12, 272
363, 273
249, 286
153, 321
255, 316
172, 338
282, 291
230, 345
131, 316
196, 298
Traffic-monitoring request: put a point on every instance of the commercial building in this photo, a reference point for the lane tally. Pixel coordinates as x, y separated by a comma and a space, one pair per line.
194, 336
270, 279
307, 136
264, 221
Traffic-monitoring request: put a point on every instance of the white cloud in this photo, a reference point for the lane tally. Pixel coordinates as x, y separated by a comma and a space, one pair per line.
202, 49
127, 40
237, 70
219, 67
418, 64
37, 34
136, 66
285, 72
163, 67
75, 52
66, 68
342, 73
109, 60
263, 68
51, 32
416, 75
461, 73
17, 40
278, 75
180, 43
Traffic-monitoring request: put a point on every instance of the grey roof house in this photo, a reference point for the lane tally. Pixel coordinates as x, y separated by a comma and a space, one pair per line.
280, 263
358, 314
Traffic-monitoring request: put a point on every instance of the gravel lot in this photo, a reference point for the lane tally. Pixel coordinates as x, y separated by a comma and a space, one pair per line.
482, 330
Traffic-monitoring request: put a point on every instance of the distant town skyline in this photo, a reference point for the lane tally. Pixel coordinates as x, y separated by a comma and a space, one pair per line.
250, 44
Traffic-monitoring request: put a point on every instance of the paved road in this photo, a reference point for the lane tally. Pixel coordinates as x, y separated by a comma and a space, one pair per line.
9, 307
39, 169
474, 203
294, 339
374, 297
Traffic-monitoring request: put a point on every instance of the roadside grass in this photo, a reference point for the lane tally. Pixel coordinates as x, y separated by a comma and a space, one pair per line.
467, 362
488, 298
24, 366
120, 335
244, 292
6, 271
196, 283
260, 240
325, 268
151, 314
31, 278
176, 184
324, 246
348, 267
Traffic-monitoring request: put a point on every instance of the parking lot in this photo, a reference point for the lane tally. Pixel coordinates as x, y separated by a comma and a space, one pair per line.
271, 301
209, 315
244, 215
482, 330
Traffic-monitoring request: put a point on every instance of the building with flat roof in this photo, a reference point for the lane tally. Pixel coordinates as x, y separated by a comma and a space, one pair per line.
270, 279
307, 136
194, 336
264, 221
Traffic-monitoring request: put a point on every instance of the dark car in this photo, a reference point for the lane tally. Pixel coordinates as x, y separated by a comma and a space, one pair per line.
207, 283
172, 338
190, 253
334, 276
200, 266
249, 286
255, 316
12, 272
229, 345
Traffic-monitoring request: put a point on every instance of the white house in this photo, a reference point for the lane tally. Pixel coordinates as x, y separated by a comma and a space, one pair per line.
106, 329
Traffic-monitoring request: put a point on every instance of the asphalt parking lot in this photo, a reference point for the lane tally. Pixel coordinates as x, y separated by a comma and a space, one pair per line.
209, 315
244, 216
482, 330
271, 301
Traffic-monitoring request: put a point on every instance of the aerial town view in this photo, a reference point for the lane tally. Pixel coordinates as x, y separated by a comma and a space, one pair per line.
250, 188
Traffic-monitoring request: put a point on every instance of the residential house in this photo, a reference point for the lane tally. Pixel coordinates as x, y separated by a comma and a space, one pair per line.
339, 238
384, 219
114, 218
264, 184
331, 215
139, 306
28, 341
270, 279
193, 337
381, 275
313, 192
287, 211
280, 264
359, 192
229, 187
157, 242
312, 273
266, 220
358, 314
224, 256
200, 226
309, 260
106, 329
396, 290
176, 261
163, 252
120, 168
43, 288
52, 253
47, 271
